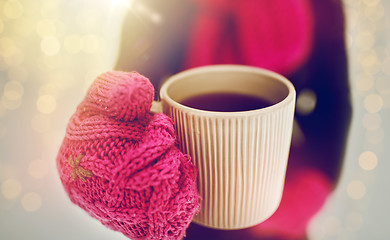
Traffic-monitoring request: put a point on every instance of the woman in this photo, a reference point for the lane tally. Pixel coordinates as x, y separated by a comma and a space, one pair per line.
301, 39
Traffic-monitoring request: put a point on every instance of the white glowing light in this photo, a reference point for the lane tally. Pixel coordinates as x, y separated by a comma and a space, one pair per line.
373, 103
372, 121
13, 90
368, 160
125, 3
11, 188
10, 104
13, 9
365, 40
50, 46
306, 102
356, 189
46, 104
364, 82
15, 59
31, 201
371, 2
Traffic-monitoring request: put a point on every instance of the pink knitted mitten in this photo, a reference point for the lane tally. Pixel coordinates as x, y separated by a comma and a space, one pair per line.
119, 162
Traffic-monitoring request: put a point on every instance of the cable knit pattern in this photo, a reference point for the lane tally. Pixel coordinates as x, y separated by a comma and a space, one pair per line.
120, 163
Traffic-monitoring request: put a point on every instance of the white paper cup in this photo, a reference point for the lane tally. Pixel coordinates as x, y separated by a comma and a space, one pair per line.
241, 156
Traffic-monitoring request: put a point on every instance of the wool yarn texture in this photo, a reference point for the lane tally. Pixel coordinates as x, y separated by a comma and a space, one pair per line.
120, 162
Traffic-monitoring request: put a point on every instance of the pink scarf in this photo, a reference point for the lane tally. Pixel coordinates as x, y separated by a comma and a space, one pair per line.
276, 34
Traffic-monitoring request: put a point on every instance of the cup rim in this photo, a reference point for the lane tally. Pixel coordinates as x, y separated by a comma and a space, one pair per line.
227, 67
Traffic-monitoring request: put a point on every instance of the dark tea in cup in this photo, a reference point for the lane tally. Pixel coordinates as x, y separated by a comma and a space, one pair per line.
226, 102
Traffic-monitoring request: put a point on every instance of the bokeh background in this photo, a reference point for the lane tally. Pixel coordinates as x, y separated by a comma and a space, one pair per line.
51, 50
